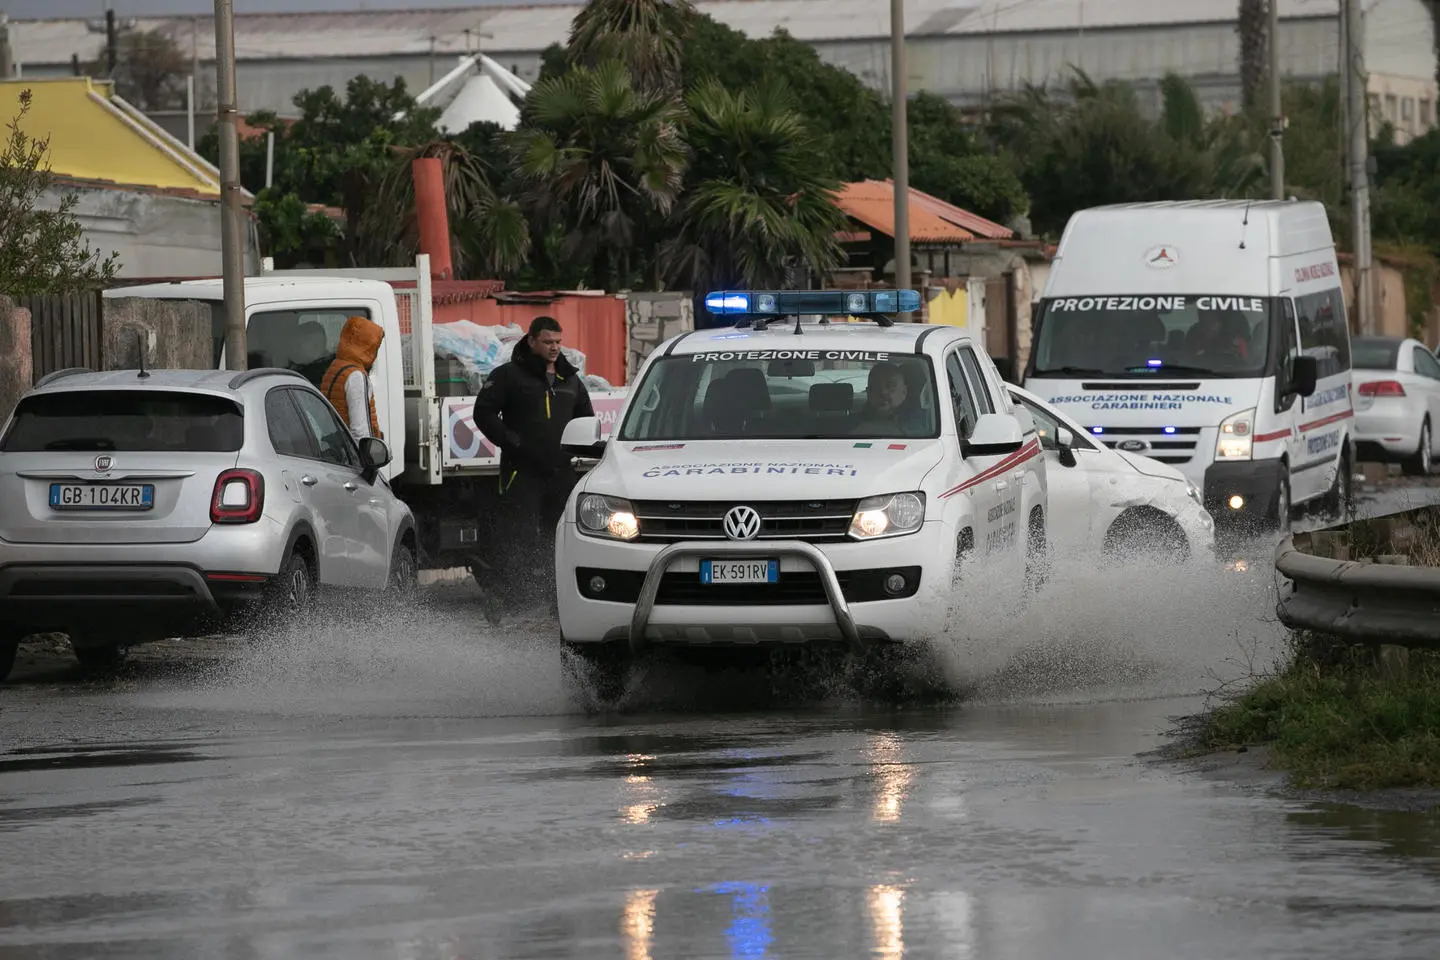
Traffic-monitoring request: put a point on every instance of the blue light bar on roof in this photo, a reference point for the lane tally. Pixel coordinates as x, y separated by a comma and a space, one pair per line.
789, 303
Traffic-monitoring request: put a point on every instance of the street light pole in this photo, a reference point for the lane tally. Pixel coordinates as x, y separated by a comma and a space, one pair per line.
1277, 117
232, 249
900, 147
1356, 105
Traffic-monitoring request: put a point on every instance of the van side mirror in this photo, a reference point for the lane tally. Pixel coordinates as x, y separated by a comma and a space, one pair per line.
374, 455
1304, 374
582, 437
1065, 448
995, 435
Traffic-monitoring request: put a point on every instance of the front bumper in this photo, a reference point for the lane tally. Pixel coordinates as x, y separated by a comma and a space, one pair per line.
827, 593
1256, 482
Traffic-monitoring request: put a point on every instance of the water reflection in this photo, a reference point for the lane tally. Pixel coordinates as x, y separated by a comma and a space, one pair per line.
637, 924
886, 753
641, 789
887, 905
1411, 835
749, 931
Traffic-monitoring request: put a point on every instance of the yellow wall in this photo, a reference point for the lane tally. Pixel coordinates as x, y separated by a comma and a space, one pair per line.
91, 140
951, 309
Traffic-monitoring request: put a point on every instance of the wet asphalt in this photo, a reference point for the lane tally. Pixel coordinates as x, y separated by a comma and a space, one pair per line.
416, 784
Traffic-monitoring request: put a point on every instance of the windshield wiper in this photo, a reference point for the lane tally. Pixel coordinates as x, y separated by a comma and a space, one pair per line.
1175, 368
1074, 371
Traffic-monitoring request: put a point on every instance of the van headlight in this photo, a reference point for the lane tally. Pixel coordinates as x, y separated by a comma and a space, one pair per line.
1237, 438
606, 517
891, 515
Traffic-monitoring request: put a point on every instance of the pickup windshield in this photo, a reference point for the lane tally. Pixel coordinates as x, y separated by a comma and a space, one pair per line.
1148, 336
784, 394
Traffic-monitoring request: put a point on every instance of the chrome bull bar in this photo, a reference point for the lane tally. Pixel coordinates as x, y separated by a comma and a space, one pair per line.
645, 605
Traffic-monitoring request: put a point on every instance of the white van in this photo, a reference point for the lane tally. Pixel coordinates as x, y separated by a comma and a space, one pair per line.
1210, 335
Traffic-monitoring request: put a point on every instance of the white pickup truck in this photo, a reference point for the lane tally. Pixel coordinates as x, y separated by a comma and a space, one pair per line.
442, 467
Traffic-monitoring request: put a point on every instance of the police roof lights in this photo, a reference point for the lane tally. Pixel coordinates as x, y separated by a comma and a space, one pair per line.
762, 307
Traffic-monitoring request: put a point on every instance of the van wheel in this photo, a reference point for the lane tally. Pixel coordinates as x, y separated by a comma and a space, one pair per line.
1423, 461
104, 656
9, 647
1283, 507
1340, 501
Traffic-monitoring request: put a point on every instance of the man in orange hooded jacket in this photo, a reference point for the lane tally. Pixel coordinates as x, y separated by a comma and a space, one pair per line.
346, 383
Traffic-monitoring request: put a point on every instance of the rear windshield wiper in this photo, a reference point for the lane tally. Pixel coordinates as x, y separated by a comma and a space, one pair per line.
81, 443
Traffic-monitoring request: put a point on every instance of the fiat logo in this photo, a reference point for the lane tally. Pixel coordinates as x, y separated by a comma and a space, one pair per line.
103, 464
1133, 446
742, 523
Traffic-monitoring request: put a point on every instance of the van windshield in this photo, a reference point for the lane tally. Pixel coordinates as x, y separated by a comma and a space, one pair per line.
1196, 335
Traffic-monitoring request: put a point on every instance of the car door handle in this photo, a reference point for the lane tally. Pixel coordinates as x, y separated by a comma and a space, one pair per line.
308, 480
1002, 484
351, 485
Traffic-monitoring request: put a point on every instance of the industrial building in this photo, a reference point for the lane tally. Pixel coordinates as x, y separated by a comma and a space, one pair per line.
969, 51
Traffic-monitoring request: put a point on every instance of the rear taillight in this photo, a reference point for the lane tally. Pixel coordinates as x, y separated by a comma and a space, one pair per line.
239, 497
1381, 388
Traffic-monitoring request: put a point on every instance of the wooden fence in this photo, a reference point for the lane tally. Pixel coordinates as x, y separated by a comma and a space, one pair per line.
65, 331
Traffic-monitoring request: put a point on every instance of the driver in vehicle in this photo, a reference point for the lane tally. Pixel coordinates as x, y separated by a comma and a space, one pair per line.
886, 408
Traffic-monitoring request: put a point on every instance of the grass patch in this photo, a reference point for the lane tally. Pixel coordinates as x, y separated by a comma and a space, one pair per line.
1333, 718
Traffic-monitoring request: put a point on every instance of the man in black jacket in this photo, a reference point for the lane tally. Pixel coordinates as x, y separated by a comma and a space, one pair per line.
523, 409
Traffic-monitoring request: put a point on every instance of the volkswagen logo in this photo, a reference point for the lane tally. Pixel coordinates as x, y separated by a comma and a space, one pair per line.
1133, 446
742, 523
103, 464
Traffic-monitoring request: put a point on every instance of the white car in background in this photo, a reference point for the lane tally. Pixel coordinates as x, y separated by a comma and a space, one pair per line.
1396, 382
1111, 502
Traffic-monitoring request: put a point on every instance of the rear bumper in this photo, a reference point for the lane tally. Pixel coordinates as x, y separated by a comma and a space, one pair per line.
1388, 429
136, 597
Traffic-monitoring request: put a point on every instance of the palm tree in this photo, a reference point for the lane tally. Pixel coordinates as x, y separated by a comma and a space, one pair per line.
489, 235
1254, 48
602, 161
755, 212
648, 36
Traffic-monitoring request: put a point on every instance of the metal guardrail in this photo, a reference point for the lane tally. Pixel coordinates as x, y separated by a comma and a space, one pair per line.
1380, 600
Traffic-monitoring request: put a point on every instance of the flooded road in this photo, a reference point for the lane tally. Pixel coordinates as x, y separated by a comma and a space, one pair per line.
416, 786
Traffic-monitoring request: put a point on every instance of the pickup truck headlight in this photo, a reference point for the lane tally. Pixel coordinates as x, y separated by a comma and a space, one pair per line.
1237, 436
607, 517
891, 515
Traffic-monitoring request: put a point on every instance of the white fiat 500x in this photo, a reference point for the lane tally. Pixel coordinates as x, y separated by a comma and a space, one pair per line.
814, 473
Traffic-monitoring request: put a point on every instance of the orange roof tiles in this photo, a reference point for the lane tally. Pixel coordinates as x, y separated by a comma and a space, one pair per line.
872, 202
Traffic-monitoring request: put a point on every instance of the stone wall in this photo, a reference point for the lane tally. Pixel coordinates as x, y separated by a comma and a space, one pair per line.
15, 355
176, 334
651, 319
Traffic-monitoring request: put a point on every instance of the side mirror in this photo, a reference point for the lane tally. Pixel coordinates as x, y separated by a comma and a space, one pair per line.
582, 437
995, 435
374, 455
1065, 451
1304, 372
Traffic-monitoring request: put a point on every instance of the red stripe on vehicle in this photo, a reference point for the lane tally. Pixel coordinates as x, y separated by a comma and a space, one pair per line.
1333, 418
1267, 437
1015, 459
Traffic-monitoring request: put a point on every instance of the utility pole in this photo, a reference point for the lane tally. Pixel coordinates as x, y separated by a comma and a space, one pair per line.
111, 41
232, 249
1277, 111
1357, 104
7, 66
900, 147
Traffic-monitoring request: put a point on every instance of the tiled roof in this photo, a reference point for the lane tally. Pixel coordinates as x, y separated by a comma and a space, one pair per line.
872, 202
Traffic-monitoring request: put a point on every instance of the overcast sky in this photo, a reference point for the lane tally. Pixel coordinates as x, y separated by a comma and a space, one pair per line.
50, 9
